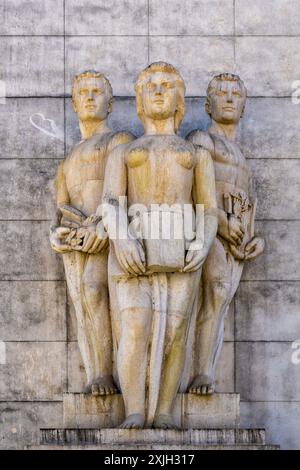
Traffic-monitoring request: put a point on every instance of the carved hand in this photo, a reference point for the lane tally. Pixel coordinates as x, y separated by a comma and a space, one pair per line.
131, 256
58, 239
235, 230
254, 248
195, 257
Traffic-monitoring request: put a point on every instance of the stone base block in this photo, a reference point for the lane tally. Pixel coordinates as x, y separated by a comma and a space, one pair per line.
190, 411
153, 439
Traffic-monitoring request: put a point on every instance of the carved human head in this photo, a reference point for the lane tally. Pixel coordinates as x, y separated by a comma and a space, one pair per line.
226, 98
92, 96
160, 92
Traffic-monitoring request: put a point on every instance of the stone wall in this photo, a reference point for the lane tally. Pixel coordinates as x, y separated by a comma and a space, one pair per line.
42, 45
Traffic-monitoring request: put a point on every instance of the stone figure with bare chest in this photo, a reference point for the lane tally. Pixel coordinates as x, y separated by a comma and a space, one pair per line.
74, 234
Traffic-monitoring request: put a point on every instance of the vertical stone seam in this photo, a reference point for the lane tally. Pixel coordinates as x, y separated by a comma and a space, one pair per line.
234, 35
65, 148
148, 31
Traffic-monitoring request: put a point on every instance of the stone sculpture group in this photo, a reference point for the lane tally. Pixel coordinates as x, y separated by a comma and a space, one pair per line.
154, 232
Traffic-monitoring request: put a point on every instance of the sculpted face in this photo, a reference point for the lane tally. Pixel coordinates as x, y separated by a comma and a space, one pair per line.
227, 102
159, 96
92, 100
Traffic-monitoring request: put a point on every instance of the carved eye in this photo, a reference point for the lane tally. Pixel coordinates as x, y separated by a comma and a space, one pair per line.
221, 93
168, 85
83, 91
236, 93
150, 86
97, 91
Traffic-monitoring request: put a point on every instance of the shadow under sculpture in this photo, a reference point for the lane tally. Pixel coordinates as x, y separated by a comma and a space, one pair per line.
235, 242
155, 283
79, 185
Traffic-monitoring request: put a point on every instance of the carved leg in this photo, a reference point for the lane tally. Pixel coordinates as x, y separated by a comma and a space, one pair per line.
132, 364
94, 291
221, 275
74, 265
182, 290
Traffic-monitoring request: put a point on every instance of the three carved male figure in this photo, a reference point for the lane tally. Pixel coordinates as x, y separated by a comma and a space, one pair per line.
137, 298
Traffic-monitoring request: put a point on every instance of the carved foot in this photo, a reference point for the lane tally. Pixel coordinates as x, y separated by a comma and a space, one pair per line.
202, 385
104, 386
164, 421
134, 421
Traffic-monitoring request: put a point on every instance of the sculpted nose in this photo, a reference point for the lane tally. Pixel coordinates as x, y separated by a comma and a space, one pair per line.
229, 97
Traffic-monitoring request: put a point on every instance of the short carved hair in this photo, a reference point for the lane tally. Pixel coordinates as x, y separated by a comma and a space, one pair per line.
91, 74
167, 68
223, 77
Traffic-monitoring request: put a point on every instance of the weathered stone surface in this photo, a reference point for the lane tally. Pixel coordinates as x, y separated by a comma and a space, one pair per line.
265, 371
33, 311
37, 261
110, 55
281, 420
152, 436
102, 17
20, 422
280, 259
277, 184
208, 56
33, 182
267, 311
224, 378
268, 65
225, 369
31, 17
33, 371
263, 135
40, 58
87, 411
191, 17
20, 139
257, 20
190, 411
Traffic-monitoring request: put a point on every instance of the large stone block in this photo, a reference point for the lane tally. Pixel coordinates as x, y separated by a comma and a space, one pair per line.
32, 66
270, 128
27, 191
18, 136
277, 184
190, 411
281, 420
33, 311
195, 17
267, 311
101, 17
33, 371
110, 55
35, 17
268, 65
280, 259
209, 56
20, 423
265, 371
257, 20
28, 254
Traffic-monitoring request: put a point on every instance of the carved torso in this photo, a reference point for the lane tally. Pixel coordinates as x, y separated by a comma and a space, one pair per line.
84, 170
231, 170
160, 170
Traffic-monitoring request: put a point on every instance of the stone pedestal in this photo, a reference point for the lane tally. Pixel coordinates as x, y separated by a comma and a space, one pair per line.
206, 423
190, 411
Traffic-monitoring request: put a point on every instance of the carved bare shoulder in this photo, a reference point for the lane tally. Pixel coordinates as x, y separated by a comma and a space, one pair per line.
202, 139
120, 138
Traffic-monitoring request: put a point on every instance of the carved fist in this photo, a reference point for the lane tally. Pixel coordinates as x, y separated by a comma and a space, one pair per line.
131, 256
254, 248
236, 230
